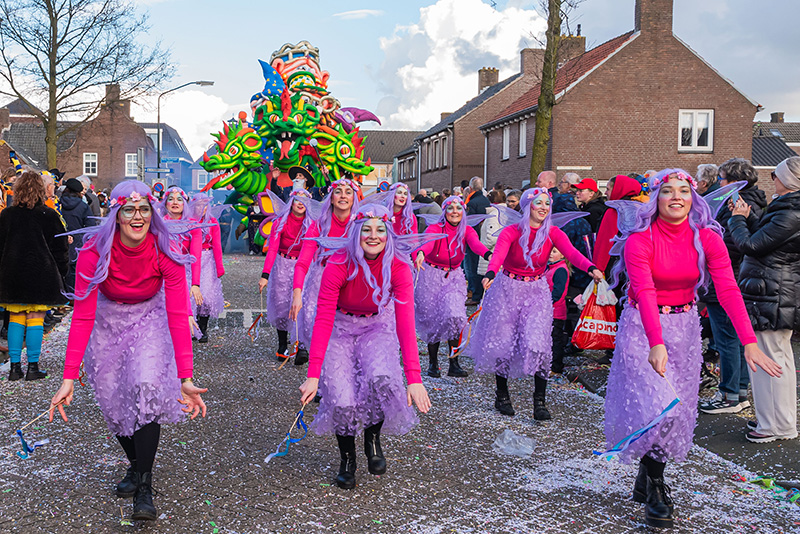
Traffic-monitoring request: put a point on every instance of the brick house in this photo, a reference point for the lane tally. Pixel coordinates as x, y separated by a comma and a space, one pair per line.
380, 146
405, 163
643, 100
788, 131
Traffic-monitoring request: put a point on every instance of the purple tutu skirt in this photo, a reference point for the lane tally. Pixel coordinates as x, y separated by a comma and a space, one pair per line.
279, 294
305, 319
512, 335
636, 394
362, 378
439, 309
210, 287
130, 364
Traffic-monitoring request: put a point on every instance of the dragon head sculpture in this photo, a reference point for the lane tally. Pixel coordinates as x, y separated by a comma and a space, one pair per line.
341, 152
286, 123
238, 160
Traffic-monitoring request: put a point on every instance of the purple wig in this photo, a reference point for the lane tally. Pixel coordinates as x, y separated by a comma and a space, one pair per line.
458, 243
324, 221
524, 224
279, 221
162, 206
700, 216
407, 216
101, 237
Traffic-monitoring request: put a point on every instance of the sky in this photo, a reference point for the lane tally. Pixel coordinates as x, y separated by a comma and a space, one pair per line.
408, 61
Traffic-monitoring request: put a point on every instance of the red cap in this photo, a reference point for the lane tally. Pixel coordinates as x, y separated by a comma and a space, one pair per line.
587, 183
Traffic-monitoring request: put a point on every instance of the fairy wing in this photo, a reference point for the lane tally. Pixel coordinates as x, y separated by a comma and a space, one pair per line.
476, 219
720, 197
506, 216
562, 219
628, 214
268, 202
407, 244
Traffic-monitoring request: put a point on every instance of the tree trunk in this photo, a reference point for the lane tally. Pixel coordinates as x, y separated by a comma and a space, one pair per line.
547, 100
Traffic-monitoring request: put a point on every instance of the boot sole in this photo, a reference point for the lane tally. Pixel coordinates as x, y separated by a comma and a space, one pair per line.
376, 471
462, 374
124, 495
659, 522
142, 516
346, 485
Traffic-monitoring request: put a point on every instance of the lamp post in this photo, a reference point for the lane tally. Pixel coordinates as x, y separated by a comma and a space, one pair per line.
201, 83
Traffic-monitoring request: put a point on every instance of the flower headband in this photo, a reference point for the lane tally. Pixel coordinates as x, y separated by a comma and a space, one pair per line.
135, 196
536, 191
680, 175
452, 199
178, 190
300, 193
371, 215
343, 181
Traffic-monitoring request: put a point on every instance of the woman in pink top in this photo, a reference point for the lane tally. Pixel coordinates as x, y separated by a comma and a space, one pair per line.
207, 299
398, 201
130, 324
290, 225
668, 250
334, 221
442, 288
512, 335
365, 307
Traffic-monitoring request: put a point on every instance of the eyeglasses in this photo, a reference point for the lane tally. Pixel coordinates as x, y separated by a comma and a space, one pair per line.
773, 175
129, 212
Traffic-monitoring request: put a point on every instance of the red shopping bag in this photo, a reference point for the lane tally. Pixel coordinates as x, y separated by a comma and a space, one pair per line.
597, 328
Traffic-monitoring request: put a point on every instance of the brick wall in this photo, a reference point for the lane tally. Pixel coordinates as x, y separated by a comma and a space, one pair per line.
514, 170
765, 182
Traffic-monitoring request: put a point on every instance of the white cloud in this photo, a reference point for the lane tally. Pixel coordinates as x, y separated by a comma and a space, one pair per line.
195, 114
432, 66
358, 14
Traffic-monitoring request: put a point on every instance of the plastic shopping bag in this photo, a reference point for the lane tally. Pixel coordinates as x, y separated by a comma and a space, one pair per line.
597, 328
605, 296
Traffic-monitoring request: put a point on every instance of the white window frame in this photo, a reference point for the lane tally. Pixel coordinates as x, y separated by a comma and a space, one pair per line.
202, 179
437, 150
429, 156
444, 152
506, 142
523, 138
89, 158
694, 114
131, 165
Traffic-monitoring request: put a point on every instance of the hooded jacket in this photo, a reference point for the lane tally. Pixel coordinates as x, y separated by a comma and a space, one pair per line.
625, 188
77, 215
769, 276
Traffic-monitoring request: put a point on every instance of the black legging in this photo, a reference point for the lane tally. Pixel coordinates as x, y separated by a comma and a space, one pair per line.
141, 448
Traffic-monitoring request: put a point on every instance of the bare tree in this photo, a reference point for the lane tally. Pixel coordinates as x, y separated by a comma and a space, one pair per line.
60, 53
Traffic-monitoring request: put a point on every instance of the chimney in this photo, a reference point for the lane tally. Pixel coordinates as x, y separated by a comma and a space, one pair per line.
653, 16
570, 47
531, 61
5, 119
444, 115
114, 102
112, 93
487, 77
776, 117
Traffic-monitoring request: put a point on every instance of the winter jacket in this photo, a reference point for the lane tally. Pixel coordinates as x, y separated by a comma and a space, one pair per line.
477, 206
625, 187
595, 208
32, 259
428, 206
769, 275
77, 215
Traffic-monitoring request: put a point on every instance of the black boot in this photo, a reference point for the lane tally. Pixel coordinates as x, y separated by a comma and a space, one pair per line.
540, 411
143, 509
34, 373
127, 486
346, 479
202, 322
658, 510
502, 398
15, 372
640, 486
301, 358
433, 360
283, 344
455, 369
376, 463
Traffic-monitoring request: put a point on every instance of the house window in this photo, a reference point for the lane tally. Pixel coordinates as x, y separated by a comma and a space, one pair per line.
131, 166
444, 152
152, 133
90, 163
696, 130
523, 138
506, 140
202, 179
429, 156
436, 149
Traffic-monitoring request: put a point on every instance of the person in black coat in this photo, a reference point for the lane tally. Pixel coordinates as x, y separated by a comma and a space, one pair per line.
32, 262
734, 379
476, 204
769, 278
77, 214
591, 201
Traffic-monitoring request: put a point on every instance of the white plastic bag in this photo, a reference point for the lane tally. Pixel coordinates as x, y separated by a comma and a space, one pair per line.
605, 297
511, 443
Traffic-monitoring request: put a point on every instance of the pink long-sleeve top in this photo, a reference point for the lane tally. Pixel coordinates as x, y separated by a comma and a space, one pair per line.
443, 252
509, 255
355, 296
399, 226
134, 275
309, 249
210, 240
288, 241
661, 264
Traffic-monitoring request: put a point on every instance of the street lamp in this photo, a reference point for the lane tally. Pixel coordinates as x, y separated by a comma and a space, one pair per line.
201, 83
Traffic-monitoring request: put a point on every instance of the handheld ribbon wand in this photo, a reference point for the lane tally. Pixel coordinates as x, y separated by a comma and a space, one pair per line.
294, 348
28, 449
288, 440
253, 330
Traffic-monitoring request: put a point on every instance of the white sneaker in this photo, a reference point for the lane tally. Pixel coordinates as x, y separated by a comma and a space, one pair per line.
719, 404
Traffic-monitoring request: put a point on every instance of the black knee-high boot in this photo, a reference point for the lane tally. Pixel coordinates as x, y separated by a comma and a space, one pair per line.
346, 479
540, 411
658, 508
202, 322
455, 369
127, 486
433, 360
503, 399
376, 463
283, 344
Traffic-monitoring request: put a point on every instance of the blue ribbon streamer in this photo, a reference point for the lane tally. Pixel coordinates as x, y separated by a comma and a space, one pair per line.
628, 440
288, 440
28, 449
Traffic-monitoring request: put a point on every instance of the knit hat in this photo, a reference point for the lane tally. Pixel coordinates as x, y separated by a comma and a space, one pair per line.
74, 185
789, 180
